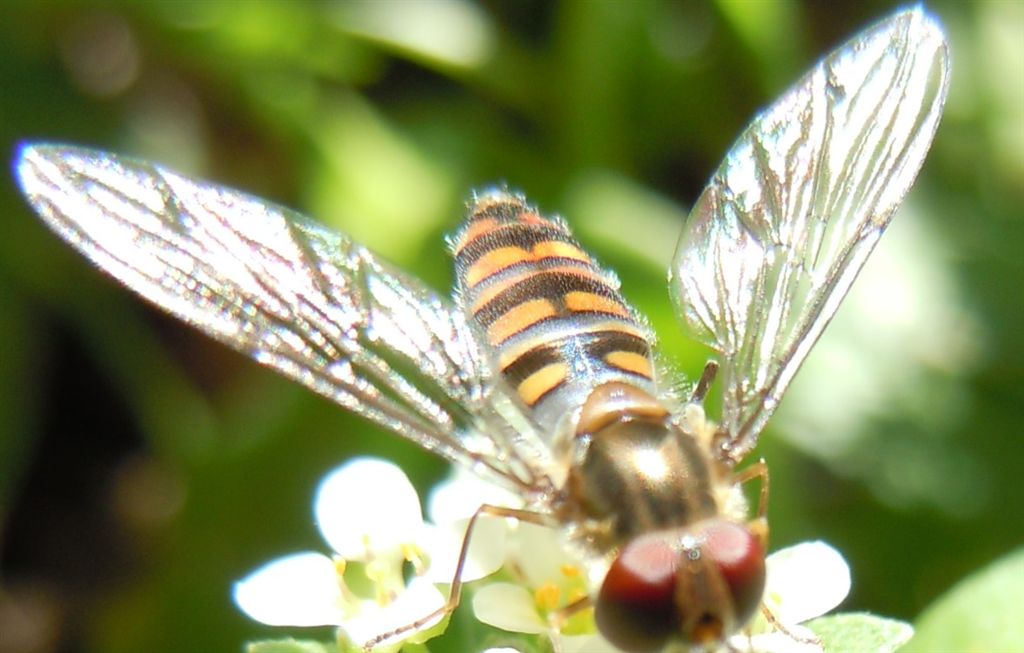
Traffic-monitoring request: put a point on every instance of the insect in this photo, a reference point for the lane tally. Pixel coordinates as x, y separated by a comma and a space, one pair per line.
536, 372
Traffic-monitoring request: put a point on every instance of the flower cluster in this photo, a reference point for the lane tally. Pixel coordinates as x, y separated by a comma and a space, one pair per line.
370, 516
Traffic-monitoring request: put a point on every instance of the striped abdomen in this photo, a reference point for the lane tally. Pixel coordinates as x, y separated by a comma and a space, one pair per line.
555, 322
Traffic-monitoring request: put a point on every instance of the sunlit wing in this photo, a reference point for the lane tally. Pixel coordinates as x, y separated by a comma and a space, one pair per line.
293, 295
778, 236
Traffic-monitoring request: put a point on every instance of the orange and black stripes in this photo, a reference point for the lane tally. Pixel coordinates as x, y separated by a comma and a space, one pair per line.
565, 291
555, 322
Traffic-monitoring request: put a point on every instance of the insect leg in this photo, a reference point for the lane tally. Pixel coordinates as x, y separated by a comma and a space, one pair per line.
562, 615
707, 377
813, 640
756, 470
455, 592
558, 618
759, 526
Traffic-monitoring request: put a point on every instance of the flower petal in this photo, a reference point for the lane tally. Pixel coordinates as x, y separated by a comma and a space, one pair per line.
805, 581
586, 644
486, 549
778, 642
297, 590
462, 494
509, 607
540, 553
367, 505
419, 599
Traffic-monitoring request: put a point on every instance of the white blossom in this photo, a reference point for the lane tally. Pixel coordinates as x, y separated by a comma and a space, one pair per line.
803, 582
369, 514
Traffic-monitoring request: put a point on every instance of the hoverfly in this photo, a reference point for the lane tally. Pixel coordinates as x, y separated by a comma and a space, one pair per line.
536, 372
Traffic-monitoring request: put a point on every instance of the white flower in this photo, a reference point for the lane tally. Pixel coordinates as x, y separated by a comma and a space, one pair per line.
451, 505
548, 577
803, 582
369, 514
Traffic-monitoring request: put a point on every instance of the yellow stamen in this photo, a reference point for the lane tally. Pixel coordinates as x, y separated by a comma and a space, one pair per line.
547, 596
340, 566
413, 554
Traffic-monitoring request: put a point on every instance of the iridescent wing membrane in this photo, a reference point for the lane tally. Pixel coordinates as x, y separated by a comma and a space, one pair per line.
295, 296
784, 226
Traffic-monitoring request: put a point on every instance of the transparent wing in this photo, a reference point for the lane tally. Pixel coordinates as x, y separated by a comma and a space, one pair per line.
778, 236
295, 296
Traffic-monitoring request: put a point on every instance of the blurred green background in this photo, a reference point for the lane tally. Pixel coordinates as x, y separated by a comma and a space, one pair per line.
143, 468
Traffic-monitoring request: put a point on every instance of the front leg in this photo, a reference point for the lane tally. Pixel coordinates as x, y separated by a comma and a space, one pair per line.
455, 593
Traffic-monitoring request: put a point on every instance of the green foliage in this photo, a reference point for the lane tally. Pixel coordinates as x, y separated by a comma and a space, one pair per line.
861, 632
980, 613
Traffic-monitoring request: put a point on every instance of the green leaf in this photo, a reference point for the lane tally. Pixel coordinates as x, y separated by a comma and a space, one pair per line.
980, 613
290, 646
853, 632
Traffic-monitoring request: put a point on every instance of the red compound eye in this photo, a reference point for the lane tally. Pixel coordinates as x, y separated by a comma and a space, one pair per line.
635, 609
739, 557
658, 588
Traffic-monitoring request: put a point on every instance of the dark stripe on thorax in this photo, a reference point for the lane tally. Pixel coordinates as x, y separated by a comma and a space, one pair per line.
641, 504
